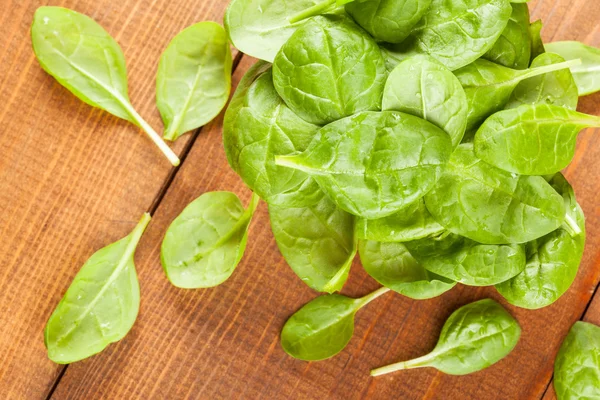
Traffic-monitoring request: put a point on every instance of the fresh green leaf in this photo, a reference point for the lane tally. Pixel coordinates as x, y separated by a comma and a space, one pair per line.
423, 87
537, 44
586, 74
492, 206
323, 327
410, 223
392, 265
556, 87
535, 139
466, 261
577, 365
317, 241
473, 338
258, 125
552, 261
488, 86
329, 69
513, 47
388, 20
205, 243
100, 306
374, 163
87, 61
194, 78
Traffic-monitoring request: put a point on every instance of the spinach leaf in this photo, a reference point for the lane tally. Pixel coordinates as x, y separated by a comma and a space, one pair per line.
329, 69
374, 163
258, 125
577, 365
194, 78
492, 206
100, 306
260, 27
473, 338
410, 223
323, 326
423, 87
488, 86
586, 74
556, 87
458, 32
317, 241
513, 47
535, 139
204, 244
388, 20
537, 44
466, 261
87, 61
552, 261
392, 265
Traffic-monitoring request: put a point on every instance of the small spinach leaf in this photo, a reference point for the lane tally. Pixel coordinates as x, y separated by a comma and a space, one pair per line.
556, 87
488, 86
194, 78
577, 365
100, 306
87, 61
317, 241
329, 69
492, 206
535, 139
473, 338
388, 20
552, 261
374, 163
410, 223
205, 243
466, 261
421, 86
392, 265
323, 326
586, 74
513, 47
537, 44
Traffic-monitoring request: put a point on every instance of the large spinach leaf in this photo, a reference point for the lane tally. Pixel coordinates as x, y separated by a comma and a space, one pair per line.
535, 139
329, 69
100, 306
392, 265
86, 60
423, 87
556, 87
473, 338
513, 47
552, 261
205, 243
586, 74
323, 326
317, 241
577, 365
488, 86
374, 163
258, 125
388, 20
410, 223
194, 78
492, 206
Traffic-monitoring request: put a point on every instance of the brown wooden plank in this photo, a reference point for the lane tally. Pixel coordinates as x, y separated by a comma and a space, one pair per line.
72, 179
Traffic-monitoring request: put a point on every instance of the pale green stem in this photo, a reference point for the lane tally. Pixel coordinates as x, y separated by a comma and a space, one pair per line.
317, 9
372, 296
551, 68
571, 226
420, 362
171, 156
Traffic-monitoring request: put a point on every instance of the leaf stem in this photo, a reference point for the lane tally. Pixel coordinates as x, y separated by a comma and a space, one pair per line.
571, 226
311, 11
372, 296
420, 362
551, 68
171, 156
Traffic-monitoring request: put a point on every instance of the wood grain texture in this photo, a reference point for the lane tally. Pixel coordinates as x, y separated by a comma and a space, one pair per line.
72, 178
219, 343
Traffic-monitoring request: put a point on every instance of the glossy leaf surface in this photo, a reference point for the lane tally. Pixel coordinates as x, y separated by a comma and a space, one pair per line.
587, 74
513, 47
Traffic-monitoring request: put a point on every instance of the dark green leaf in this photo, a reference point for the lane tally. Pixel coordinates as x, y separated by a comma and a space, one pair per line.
537, 44
513, 47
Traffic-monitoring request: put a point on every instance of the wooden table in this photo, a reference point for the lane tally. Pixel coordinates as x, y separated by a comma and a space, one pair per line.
73, 179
